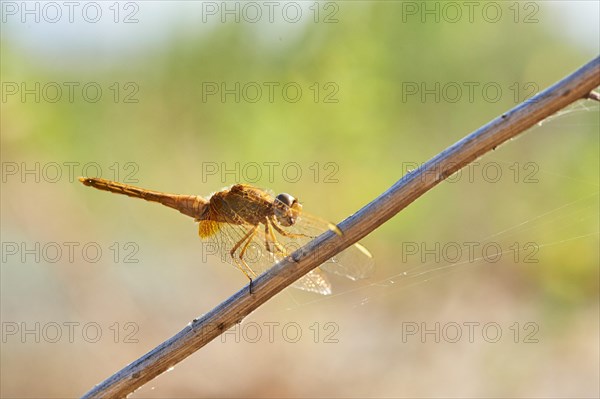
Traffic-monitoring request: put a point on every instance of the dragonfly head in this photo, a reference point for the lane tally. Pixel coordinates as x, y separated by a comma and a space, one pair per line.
287, 209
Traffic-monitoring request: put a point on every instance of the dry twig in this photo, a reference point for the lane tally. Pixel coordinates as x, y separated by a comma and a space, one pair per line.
199, 332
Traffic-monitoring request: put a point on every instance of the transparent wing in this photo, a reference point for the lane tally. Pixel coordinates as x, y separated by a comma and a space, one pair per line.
263, 246
257, 257
315, 281
355, 262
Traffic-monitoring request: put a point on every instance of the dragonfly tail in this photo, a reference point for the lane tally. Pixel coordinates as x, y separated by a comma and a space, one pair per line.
190, 205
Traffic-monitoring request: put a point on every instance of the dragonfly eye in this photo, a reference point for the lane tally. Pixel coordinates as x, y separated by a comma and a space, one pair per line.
287, 209
286, 199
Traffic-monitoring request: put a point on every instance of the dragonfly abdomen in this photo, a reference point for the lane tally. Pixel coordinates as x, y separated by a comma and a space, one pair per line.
190, 205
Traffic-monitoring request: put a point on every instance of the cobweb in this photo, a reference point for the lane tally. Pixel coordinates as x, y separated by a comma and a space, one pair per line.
568, 222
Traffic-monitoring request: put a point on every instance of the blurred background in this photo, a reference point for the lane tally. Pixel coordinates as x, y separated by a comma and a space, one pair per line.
486, 286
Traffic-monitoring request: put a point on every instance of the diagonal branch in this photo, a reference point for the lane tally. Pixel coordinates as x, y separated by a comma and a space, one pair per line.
410, 187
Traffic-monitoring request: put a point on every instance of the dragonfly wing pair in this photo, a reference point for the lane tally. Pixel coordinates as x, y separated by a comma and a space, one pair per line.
251, 239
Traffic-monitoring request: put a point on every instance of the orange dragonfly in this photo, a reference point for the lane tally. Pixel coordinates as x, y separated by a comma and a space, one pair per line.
251, 228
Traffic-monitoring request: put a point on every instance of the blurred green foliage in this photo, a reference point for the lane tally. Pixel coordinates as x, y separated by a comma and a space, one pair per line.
368, 132
371, 133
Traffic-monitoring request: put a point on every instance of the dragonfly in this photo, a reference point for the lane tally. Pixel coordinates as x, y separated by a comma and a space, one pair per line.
251, 228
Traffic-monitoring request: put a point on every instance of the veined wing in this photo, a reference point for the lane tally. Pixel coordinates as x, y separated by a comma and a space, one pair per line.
226, 236
263, 246
355, 262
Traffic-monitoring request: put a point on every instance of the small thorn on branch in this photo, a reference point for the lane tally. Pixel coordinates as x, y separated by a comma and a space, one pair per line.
593, 95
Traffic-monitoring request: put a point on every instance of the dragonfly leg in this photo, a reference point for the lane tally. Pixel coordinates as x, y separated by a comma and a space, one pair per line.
270, 235
286, 233
240, 262
267, 237
271, 239
245, 247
